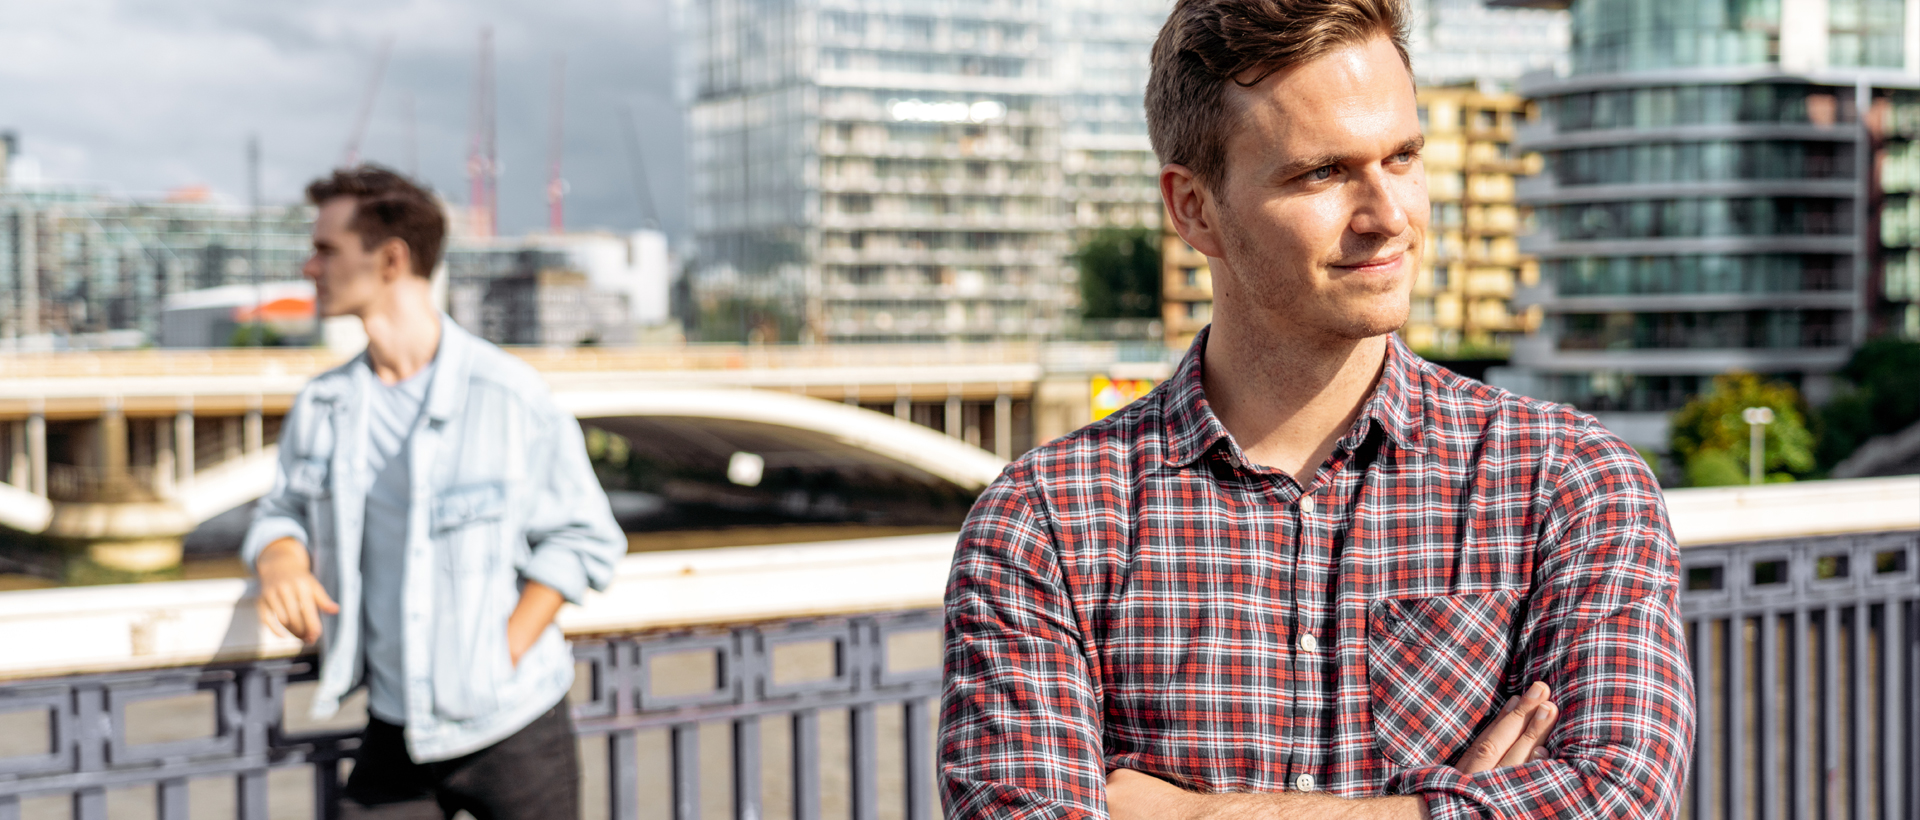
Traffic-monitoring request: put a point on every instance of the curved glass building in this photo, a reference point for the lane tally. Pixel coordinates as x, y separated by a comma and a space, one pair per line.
1725, 187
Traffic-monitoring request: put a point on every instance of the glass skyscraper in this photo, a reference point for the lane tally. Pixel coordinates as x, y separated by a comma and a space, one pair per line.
1725, 188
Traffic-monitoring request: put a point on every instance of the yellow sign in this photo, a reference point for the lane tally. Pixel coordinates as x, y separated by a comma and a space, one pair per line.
1110, 395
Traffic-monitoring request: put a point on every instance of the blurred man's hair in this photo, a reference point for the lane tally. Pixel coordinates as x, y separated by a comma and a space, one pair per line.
1206, 44
387, 206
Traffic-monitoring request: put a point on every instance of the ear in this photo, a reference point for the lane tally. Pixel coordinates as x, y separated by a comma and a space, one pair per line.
1191, 206
395, 260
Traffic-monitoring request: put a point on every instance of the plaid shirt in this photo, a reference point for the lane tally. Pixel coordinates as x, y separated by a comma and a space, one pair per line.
1139, 595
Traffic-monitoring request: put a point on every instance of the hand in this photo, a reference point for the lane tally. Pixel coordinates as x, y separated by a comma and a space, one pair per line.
538, 604
1518, 735
291, 599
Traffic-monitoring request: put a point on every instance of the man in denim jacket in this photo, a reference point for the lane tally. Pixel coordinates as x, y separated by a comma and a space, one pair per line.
432, 512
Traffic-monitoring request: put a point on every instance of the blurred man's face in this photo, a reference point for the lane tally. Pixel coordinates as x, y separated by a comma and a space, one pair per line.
347, 276
1323, 205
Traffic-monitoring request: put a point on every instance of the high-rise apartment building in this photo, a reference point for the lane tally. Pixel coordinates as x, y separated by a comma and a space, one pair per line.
1471, 262
1726, 187
1111, 175
892, 169
1454, 42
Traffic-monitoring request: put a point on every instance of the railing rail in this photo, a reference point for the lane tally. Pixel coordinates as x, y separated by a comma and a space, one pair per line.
1805, 647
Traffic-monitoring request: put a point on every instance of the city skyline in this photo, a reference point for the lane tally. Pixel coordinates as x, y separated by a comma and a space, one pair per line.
139, 101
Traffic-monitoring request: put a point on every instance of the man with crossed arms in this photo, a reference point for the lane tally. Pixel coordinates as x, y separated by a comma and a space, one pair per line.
1312, 575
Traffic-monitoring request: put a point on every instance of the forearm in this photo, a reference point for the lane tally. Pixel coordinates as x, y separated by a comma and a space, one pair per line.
1133, 795
1296, 806
538, 605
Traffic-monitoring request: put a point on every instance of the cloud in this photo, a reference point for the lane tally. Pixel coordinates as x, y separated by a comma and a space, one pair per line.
141, 96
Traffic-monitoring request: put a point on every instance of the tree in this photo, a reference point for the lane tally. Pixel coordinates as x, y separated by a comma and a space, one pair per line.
1884, 398
1120, 274
1712, 440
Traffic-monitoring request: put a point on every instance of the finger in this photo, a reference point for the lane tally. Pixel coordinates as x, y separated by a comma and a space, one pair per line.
324, 600
270, 616
1491, 746
1533, 737
309, 621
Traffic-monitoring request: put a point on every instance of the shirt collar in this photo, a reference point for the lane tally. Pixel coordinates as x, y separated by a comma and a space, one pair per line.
1396, 406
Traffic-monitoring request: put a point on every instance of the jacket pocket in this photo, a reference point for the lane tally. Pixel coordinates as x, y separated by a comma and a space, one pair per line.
1434, 668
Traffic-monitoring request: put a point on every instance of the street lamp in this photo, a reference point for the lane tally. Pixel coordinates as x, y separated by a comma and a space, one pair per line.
1757, 419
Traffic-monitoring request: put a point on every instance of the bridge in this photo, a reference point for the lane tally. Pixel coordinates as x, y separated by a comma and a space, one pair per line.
116, 455
800, 680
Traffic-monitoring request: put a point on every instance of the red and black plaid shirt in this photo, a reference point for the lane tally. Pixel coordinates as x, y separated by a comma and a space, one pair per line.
1139, 595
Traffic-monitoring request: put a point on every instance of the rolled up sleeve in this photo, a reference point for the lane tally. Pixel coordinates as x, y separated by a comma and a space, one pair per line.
574, 540
282, 512
1605, 632
1019, 725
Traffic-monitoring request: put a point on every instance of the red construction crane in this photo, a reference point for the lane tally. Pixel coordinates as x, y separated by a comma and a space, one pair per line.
483, 162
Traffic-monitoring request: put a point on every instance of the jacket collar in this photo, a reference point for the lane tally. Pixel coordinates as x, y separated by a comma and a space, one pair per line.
452, 363
1396, 407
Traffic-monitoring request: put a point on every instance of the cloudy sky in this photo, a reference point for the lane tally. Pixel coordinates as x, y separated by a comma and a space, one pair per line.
143, 96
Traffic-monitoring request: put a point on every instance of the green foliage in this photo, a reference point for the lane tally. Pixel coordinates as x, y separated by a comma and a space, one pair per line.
1120, 274
1712, 440
752, 321
255, 335
1884, 399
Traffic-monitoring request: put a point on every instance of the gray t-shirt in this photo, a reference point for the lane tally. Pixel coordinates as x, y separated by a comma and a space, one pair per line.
392, 413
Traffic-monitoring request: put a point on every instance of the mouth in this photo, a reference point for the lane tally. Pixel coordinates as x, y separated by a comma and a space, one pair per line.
1379, 264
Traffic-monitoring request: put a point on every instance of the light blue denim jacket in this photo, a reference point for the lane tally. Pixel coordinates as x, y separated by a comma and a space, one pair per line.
502, 494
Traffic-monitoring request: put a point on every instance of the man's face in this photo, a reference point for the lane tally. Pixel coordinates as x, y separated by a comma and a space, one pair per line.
1322, 211
347, 277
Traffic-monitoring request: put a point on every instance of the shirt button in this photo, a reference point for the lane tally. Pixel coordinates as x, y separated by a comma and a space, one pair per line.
1306, 504
1308, 643
1303, 783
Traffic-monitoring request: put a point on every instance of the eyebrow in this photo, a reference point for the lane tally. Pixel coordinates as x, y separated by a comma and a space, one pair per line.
1301, 166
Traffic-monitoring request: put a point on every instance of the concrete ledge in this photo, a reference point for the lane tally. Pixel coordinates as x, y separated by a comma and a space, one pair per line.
182, 623
1720, 515
139, 626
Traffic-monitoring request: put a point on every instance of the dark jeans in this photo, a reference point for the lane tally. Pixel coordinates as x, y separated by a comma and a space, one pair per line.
533, 774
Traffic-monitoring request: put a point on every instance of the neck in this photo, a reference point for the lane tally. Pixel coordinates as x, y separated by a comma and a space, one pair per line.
1286, 397
403, 332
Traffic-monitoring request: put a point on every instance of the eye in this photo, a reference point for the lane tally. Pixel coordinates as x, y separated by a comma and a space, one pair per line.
1320, 174
1405, 157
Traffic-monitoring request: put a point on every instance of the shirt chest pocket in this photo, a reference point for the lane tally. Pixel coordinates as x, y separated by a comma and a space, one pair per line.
1435, 667
466, 523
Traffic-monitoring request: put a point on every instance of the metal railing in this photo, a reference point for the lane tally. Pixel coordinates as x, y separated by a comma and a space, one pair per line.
1803, 636
89, 752
1806, 656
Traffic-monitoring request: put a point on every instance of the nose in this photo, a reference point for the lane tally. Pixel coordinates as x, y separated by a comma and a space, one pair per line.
1380, 207
311, 267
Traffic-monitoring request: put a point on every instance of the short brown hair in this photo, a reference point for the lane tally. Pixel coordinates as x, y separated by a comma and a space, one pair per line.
387, 206
1206, 44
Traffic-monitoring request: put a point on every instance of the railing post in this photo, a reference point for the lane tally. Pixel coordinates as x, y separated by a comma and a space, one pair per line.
623, 747
686, 771
93, 731
919, 754
1800, 740
256, 715
1896, 702
326, 790
171, 799
806, 765
1705, 775
1766, 659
